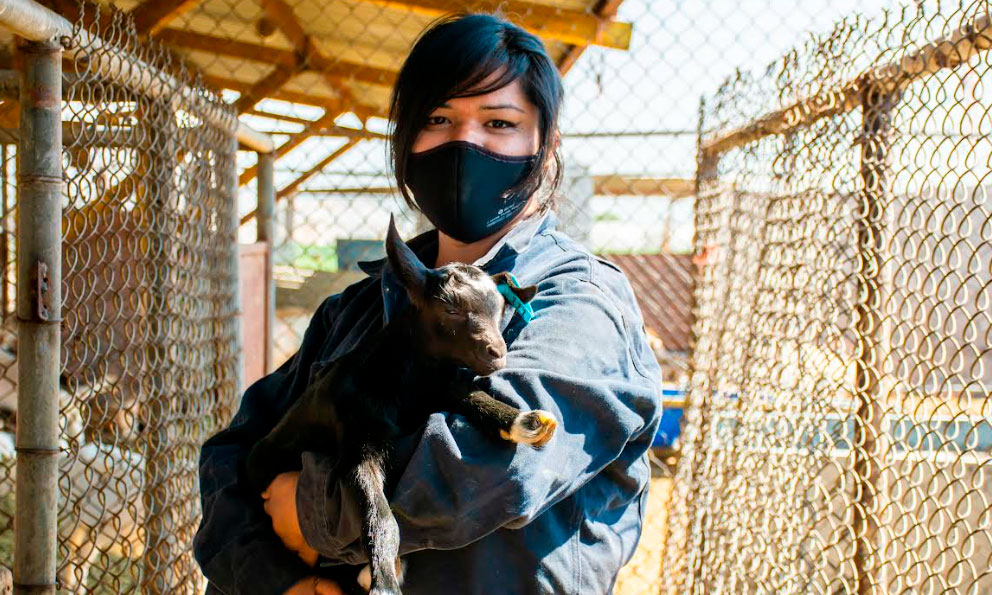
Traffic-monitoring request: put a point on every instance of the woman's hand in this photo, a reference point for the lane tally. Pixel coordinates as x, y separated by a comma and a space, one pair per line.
280, 504
313, 585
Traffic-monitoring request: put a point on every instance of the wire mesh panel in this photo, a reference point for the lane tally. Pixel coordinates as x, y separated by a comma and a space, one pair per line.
149, 366
148, 324
839, 433
316, 75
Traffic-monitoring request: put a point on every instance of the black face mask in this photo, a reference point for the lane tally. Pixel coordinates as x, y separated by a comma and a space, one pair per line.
460, 188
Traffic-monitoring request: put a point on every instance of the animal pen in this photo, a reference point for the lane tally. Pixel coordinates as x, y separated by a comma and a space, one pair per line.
811, 251
840, 422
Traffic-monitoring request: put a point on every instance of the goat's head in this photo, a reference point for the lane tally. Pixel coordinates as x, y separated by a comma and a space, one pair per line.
457, 305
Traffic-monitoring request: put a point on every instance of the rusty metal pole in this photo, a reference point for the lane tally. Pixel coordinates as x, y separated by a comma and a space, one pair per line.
4, 234
872, 338
234, 271
157, 195
265, 233
39, 308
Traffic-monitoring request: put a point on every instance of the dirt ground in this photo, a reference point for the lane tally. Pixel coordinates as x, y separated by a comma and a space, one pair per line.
642, 575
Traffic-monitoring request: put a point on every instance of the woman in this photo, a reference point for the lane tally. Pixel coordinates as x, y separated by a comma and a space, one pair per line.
474, 148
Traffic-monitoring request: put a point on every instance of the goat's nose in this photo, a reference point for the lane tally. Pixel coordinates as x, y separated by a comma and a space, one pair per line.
494, 351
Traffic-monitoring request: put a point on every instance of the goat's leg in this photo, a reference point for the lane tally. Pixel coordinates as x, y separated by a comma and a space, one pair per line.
380, 534
494, 416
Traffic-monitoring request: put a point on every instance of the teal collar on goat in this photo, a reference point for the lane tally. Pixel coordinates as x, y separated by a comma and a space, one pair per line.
425, 246
522, 308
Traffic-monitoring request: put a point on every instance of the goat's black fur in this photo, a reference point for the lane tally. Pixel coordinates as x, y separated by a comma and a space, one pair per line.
355, 406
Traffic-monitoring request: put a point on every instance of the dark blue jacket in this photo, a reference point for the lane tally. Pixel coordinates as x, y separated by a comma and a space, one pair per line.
475, 515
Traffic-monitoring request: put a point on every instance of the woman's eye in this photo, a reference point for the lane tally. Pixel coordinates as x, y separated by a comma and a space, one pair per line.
436, 120
502, 124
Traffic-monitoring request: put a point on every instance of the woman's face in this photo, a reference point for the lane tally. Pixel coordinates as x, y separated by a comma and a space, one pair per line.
503, 121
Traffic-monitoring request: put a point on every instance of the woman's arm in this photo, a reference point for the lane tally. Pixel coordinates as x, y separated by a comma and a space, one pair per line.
235, 544
577, 360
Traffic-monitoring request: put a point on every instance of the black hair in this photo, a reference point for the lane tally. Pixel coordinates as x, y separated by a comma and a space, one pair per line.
452, 58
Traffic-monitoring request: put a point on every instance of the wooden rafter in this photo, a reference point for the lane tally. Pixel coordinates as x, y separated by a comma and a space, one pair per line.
335, 68
614, 185
220, 82
339, 131
673, 188
271, 83
285, 20
10, 114
152, 15
228, 47
292, 187
360, 109
294, 141
605, 9
282, 17
558, 24
279, 117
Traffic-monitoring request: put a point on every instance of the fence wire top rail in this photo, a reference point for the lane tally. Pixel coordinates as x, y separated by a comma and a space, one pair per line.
838, 434
972, 38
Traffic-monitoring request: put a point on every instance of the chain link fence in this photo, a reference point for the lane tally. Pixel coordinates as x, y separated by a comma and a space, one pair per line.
148, 368
148, 333
316, 76
838, 434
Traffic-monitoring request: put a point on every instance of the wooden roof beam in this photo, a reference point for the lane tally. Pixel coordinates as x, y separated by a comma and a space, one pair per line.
610, 185
606, 9
283, 17
151, 16
281, 14
568, 26
279, 76
340, 131
362, 110
279, 117
292, 187
294, 141
617, 185
335, 68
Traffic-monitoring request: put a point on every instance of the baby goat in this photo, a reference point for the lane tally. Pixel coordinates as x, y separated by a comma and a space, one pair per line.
354, 407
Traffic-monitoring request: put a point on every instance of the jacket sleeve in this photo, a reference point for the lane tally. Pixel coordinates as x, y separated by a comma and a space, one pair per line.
235, 545
576, 360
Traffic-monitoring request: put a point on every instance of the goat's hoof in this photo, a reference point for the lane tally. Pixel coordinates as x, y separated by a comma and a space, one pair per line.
534, 428
364, 578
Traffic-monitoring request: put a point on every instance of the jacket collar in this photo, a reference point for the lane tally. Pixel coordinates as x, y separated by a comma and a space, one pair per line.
517, 240
514, 242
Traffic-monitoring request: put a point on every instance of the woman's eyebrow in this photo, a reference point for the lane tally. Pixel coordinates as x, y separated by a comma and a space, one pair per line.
491, 107
503, 106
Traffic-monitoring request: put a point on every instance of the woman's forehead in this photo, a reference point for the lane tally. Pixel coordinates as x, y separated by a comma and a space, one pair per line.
507, 97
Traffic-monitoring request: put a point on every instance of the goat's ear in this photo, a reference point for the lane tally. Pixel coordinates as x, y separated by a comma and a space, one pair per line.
411, 272
525, 294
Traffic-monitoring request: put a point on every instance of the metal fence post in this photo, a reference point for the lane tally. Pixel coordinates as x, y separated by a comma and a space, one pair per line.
39, 308
234, 272
872, 338
265, 233
4, 234
157, 194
